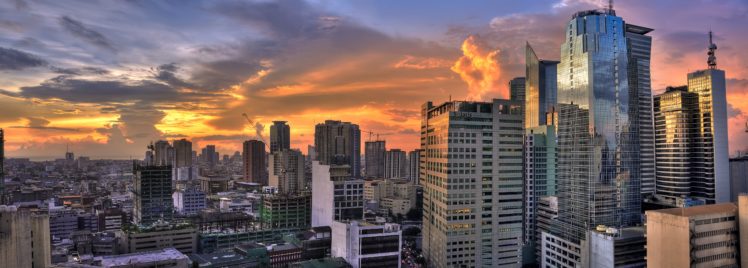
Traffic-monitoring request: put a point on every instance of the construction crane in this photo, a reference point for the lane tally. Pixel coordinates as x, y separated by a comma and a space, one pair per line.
371, 133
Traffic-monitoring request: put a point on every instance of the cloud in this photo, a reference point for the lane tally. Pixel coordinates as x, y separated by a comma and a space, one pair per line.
167, 73
411, 62
89, 35
79, 71
105, 91
479, 67
12, 59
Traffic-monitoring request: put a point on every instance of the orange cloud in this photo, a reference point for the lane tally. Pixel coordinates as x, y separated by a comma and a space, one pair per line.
479, 67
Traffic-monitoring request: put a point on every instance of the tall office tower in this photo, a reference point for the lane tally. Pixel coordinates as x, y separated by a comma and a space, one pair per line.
639, 48
182, 153
374, 159
414, 163
24, 238
209, 155
711, 178
472, 183
152, 192
517, 89
255, 169
598, 173
339, 143
540, 181
336, 196
691, 139
676, 111
540, 89
286, 171
395, 164
280, 136
161, 153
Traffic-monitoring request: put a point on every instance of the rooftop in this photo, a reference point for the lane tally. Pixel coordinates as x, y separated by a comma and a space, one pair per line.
142, 257
216, 258
699, 210
323, 263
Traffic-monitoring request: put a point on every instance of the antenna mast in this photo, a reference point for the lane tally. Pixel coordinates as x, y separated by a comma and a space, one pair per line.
712, 59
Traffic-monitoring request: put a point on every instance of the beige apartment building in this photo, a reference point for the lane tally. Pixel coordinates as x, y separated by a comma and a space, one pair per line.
700, 236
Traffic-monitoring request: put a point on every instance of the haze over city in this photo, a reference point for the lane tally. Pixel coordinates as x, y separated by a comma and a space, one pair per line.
106, 80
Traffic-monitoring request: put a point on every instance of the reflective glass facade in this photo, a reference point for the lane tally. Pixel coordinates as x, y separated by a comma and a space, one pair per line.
598, 174
639, 46
540, 88
676, 112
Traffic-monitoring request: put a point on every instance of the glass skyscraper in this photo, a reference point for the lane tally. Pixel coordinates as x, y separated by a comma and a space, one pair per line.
540, 89
676, 112
598, 173
639, 46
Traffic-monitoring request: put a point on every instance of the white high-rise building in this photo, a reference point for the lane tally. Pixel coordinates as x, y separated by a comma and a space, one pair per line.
335, 195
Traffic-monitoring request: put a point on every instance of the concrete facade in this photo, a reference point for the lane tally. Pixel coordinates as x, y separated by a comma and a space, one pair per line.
24, 238
364, 244
701, 236
472, 183
336, 196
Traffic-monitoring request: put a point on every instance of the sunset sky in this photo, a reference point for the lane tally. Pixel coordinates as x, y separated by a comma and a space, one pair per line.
108, 77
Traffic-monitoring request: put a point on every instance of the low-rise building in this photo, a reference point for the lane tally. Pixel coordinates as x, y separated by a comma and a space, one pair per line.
162, 235
189, 201
364, 244
315, 242
322, 263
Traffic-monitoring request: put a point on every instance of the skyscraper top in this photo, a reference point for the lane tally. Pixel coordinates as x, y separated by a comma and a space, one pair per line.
712, 59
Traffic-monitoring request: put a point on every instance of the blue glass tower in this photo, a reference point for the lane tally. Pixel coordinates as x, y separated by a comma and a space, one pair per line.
598, 172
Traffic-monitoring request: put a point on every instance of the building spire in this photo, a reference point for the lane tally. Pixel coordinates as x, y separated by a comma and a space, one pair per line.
712, 59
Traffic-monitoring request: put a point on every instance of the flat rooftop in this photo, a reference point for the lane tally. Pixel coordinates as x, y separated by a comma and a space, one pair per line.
142, 257
699, 210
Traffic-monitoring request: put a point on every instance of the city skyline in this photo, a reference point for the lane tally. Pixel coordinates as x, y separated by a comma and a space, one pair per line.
106, 87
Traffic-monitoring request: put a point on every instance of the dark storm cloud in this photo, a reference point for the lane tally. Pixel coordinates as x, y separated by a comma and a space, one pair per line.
167, 73
87, 34
106, 91
13, 59
62, 129
79, 71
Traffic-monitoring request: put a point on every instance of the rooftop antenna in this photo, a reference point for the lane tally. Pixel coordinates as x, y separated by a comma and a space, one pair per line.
712, 59
610, 8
